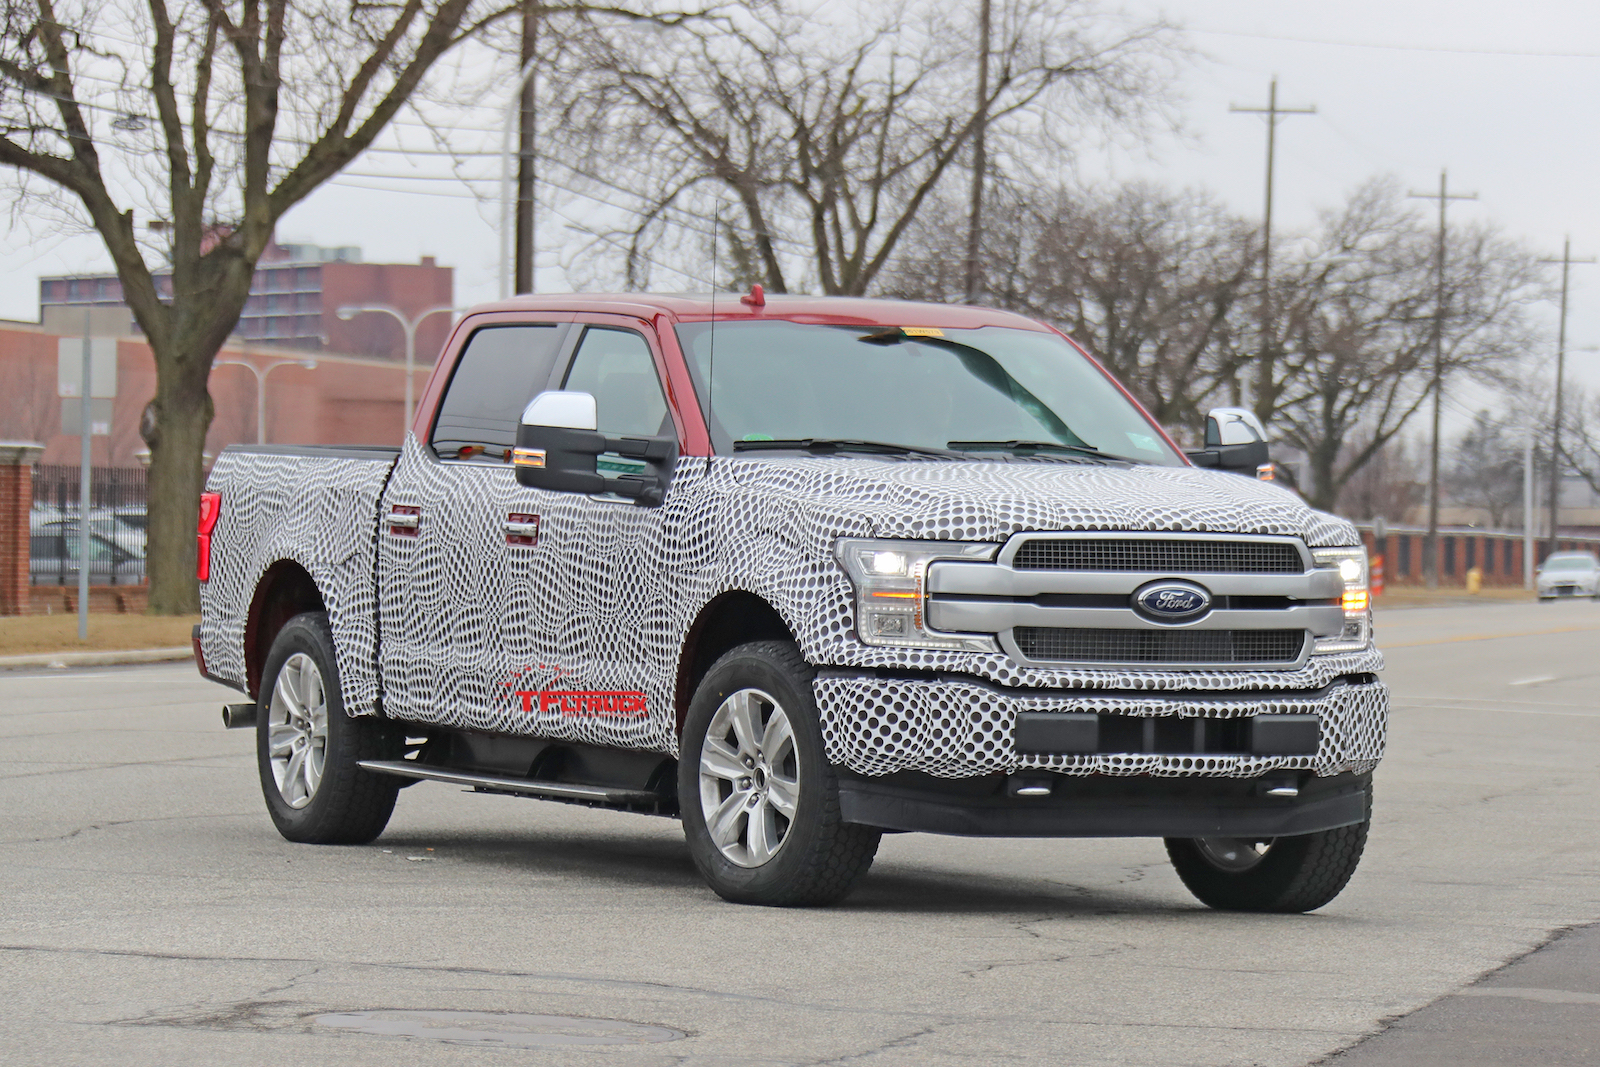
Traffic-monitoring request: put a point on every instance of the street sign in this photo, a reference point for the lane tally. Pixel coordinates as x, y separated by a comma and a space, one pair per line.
69, 367
99, 417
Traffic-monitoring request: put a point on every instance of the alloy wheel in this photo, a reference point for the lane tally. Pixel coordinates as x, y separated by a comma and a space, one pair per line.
749, 778
297, 730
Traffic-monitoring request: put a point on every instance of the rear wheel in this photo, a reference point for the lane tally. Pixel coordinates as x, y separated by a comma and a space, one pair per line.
760, 803
1281, 874
307, 748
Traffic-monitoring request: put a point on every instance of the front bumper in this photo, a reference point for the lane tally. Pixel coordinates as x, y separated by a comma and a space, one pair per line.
1103, 806
963, 728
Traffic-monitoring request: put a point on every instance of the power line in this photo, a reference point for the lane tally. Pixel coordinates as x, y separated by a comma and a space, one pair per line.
1501, 52
1566, 262
1272, 111
1430, 547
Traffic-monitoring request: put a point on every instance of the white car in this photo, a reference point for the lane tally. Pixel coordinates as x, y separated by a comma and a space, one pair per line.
1569, 574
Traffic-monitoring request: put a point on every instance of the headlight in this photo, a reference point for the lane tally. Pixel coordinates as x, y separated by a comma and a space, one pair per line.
891, 591
1351, 563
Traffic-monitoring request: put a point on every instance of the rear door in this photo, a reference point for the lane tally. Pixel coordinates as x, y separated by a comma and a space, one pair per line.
449, 532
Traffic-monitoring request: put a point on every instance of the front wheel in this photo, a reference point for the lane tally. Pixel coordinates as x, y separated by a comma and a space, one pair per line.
760, 803
1282, 874
307, 748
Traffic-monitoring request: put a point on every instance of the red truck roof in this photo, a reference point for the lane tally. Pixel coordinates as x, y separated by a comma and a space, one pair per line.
825, 310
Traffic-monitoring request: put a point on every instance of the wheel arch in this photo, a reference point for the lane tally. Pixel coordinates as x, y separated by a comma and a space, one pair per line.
730, 619
285, 590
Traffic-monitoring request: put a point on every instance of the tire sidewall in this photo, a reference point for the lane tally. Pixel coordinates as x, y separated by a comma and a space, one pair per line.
318, 820
754, 667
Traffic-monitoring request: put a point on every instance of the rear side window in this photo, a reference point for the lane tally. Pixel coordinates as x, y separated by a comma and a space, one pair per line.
502, 369
615, 367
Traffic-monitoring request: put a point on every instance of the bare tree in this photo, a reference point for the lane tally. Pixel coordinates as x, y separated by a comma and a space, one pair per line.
1358, 302
1153, 282
1486, 468
211, 120
1391, 482
828, 141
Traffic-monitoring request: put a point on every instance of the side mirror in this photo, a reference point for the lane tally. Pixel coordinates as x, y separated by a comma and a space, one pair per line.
1235, 441
559, 448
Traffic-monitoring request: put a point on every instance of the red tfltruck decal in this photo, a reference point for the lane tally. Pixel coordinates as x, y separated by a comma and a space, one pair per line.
210, 508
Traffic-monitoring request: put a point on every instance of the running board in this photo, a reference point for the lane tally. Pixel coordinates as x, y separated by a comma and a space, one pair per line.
494, 783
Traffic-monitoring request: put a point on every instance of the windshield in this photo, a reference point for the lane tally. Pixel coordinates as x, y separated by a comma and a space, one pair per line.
1570, 563
973, 391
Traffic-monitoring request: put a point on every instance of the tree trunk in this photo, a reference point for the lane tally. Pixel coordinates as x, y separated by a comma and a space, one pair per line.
1324, 485
174, 426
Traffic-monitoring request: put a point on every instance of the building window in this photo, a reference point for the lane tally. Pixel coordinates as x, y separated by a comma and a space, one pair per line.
1449, 550
1471, 544
1510, 564
1404, 570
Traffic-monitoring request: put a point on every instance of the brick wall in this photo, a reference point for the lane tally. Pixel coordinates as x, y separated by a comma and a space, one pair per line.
16, 498
1498, 554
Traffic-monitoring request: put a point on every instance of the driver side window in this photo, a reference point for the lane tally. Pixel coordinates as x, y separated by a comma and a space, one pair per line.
615, 367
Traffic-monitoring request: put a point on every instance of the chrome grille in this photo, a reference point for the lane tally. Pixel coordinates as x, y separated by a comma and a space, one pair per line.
1166, 556
1084, 645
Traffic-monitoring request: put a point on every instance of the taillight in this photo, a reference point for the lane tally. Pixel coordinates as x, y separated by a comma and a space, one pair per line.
210, 508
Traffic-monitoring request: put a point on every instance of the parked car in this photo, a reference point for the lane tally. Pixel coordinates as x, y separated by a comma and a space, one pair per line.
53, 555
799, 572
1568, 574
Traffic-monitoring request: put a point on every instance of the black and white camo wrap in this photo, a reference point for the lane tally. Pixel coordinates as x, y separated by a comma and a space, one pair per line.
319, 511
605, 600
952, 729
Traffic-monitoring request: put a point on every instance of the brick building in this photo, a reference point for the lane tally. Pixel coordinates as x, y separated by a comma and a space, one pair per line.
295, 297
344, 399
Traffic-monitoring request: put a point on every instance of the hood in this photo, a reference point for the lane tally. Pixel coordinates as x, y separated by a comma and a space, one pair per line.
989, 501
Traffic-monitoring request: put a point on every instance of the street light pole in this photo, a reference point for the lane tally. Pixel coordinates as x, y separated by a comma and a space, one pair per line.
410, 327
261, 386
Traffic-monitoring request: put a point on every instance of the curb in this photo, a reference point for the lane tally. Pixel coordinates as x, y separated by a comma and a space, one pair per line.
61, 660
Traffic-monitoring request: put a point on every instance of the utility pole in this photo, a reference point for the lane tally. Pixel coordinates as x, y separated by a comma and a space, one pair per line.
1566, 262
1430, 547
979, 157
527, 130
1273, 112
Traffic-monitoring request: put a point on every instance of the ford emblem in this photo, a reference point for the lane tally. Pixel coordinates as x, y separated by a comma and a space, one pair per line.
1171, 601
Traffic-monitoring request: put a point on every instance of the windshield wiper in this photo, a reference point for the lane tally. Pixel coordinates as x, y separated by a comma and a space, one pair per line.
839, 444
1025, 447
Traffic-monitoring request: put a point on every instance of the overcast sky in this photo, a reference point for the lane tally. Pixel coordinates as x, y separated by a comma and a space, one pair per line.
1502, 94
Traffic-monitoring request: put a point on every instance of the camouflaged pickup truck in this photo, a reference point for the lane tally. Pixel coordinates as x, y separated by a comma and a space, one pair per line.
800, 572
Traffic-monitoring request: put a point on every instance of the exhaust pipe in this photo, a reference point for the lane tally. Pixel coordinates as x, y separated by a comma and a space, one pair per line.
238, 716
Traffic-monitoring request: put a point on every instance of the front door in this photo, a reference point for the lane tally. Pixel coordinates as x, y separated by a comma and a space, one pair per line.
449, 533
596, 664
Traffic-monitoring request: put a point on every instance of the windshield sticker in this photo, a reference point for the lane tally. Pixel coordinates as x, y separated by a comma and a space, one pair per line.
1143, 442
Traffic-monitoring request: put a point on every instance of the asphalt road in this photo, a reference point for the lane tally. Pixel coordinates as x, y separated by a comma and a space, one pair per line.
150, 914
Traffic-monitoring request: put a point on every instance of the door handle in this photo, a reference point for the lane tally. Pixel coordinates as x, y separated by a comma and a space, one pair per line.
403, 521
521, 529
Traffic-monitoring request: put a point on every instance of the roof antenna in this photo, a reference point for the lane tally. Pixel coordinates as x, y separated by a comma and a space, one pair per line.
755, 297
711, 359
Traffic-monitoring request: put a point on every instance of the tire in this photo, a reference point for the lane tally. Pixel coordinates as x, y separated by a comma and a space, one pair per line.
1285, 874
774, 835
307, 748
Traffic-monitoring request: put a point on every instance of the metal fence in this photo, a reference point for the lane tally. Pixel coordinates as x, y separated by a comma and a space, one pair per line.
116, 521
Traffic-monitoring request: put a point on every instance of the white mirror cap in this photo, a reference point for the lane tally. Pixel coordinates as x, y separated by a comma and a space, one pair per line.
570, 411
1236, 426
